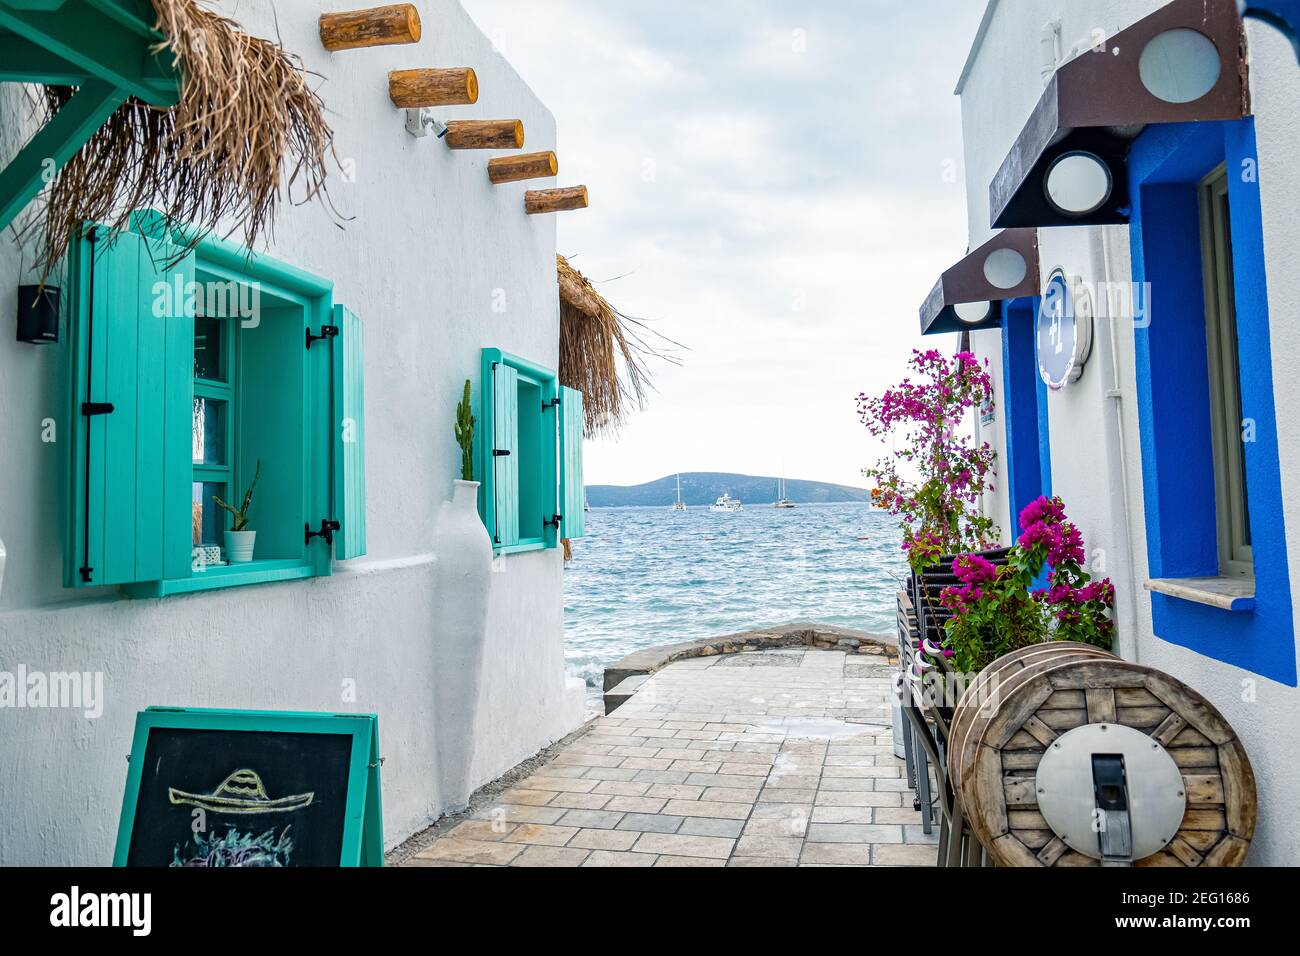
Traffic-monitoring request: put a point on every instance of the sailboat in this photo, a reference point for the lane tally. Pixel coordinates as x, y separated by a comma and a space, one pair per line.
681, 505
782, 502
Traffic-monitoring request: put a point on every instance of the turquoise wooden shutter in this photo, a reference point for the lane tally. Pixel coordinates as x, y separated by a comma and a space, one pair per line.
349, 436
503, 456
573, 495
131, 313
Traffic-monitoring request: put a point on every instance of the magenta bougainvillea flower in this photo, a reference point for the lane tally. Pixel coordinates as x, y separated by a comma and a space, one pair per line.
997, 610
934, 482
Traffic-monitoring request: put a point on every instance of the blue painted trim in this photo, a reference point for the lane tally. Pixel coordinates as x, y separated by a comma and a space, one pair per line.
1166, 165
1024, 406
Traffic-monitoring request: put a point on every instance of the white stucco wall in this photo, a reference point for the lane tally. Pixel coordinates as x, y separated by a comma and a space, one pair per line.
1096, 452
426, 245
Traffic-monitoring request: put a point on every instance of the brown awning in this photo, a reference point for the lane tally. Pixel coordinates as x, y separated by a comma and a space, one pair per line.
1184, 63
1005, 267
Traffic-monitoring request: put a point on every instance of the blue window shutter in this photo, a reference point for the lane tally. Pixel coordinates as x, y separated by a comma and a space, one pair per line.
132, 329
573, 497
503, 457
349, 435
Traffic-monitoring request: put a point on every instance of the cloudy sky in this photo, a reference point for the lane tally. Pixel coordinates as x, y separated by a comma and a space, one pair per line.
775, 184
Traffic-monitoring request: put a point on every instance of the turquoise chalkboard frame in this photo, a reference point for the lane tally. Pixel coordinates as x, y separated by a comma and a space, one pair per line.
363, 825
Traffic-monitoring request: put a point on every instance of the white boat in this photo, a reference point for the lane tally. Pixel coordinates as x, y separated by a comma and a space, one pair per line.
681, 505
727, 505
783, 502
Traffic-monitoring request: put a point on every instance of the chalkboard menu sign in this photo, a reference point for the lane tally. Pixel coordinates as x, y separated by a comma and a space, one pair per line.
221, 788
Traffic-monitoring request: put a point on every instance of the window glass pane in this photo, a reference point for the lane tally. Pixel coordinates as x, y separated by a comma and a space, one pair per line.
205, 517
209, 360
208, 431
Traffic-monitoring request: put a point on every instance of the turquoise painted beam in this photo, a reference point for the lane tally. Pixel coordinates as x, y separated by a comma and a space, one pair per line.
33, 4
56, 143
79, 32
22, 61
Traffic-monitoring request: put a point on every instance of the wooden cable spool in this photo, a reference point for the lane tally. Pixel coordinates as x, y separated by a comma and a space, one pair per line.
974, 711
1001, 789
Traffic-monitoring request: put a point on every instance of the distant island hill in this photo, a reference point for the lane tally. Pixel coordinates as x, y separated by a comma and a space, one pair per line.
700, 489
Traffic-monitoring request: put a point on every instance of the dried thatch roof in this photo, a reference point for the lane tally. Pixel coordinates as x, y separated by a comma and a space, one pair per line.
248, 130
594, 339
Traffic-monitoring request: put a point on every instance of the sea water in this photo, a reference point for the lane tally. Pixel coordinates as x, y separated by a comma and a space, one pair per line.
643, 577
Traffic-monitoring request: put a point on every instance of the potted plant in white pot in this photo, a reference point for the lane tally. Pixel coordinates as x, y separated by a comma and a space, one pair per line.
239, 540
464, 580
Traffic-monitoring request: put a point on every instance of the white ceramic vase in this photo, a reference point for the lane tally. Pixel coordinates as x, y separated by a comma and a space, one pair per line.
239, 546
463, 582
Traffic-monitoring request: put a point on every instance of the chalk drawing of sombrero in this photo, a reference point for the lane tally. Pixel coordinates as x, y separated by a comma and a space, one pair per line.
242, 792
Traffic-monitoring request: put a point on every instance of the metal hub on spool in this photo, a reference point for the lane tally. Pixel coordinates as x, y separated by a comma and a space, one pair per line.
1111, 793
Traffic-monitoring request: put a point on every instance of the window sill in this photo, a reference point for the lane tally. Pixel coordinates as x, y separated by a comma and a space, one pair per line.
523, 548
1226, 594
232, 576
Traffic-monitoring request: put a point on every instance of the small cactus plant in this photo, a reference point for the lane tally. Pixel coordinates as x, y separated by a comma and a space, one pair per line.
239, 517
465, 422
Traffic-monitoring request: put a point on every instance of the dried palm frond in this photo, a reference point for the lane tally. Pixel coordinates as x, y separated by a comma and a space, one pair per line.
603, 352
218, 158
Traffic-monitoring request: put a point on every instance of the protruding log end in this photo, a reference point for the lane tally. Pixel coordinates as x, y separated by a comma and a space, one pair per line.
414, 89
540, 201
375, 26
512, 169
485, 134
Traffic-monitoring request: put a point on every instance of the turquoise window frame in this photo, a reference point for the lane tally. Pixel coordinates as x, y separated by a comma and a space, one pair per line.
1166, 167
286, 285
539, 468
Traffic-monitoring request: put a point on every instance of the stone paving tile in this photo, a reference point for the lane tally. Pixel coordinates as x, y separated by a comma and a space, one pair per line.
853, 833
550, 856
613, 858
909, 855
650, 823
713, 848
472, 851
537, 834
618, 840
687, 861
706, 808
712, 765
593, 819
580, 801
511, 814
711, 827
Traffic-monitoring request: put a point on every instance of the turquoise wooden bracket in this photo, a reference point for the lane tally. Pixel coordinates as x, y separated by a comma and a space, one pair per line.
108, 49
56, 143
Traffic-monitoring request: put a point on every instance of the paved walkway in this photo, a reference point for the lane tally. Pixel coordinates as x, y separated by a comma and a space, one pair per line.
776, 758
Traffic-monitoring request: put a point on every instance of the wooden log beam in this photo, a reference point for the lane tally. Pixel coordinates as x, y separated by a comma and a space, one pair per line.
485, 134
512, 169
375, 26
414, 89
540, 201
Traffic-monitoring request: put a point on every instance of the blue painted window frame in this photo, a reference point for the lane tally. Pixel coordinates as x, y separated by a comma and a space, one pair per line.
1166, 166
1024, 409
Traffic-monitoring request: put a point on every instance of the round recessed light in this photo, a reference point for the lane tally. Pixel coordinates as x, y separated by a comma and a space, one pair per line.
1005, 269
1078, 184
1180, 66
972, 313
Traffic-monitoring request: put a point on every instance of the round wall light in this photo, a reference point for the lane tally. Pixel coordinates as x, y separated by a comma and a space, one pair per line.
1180, 66
973, 313
1005, 269
1078, 184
